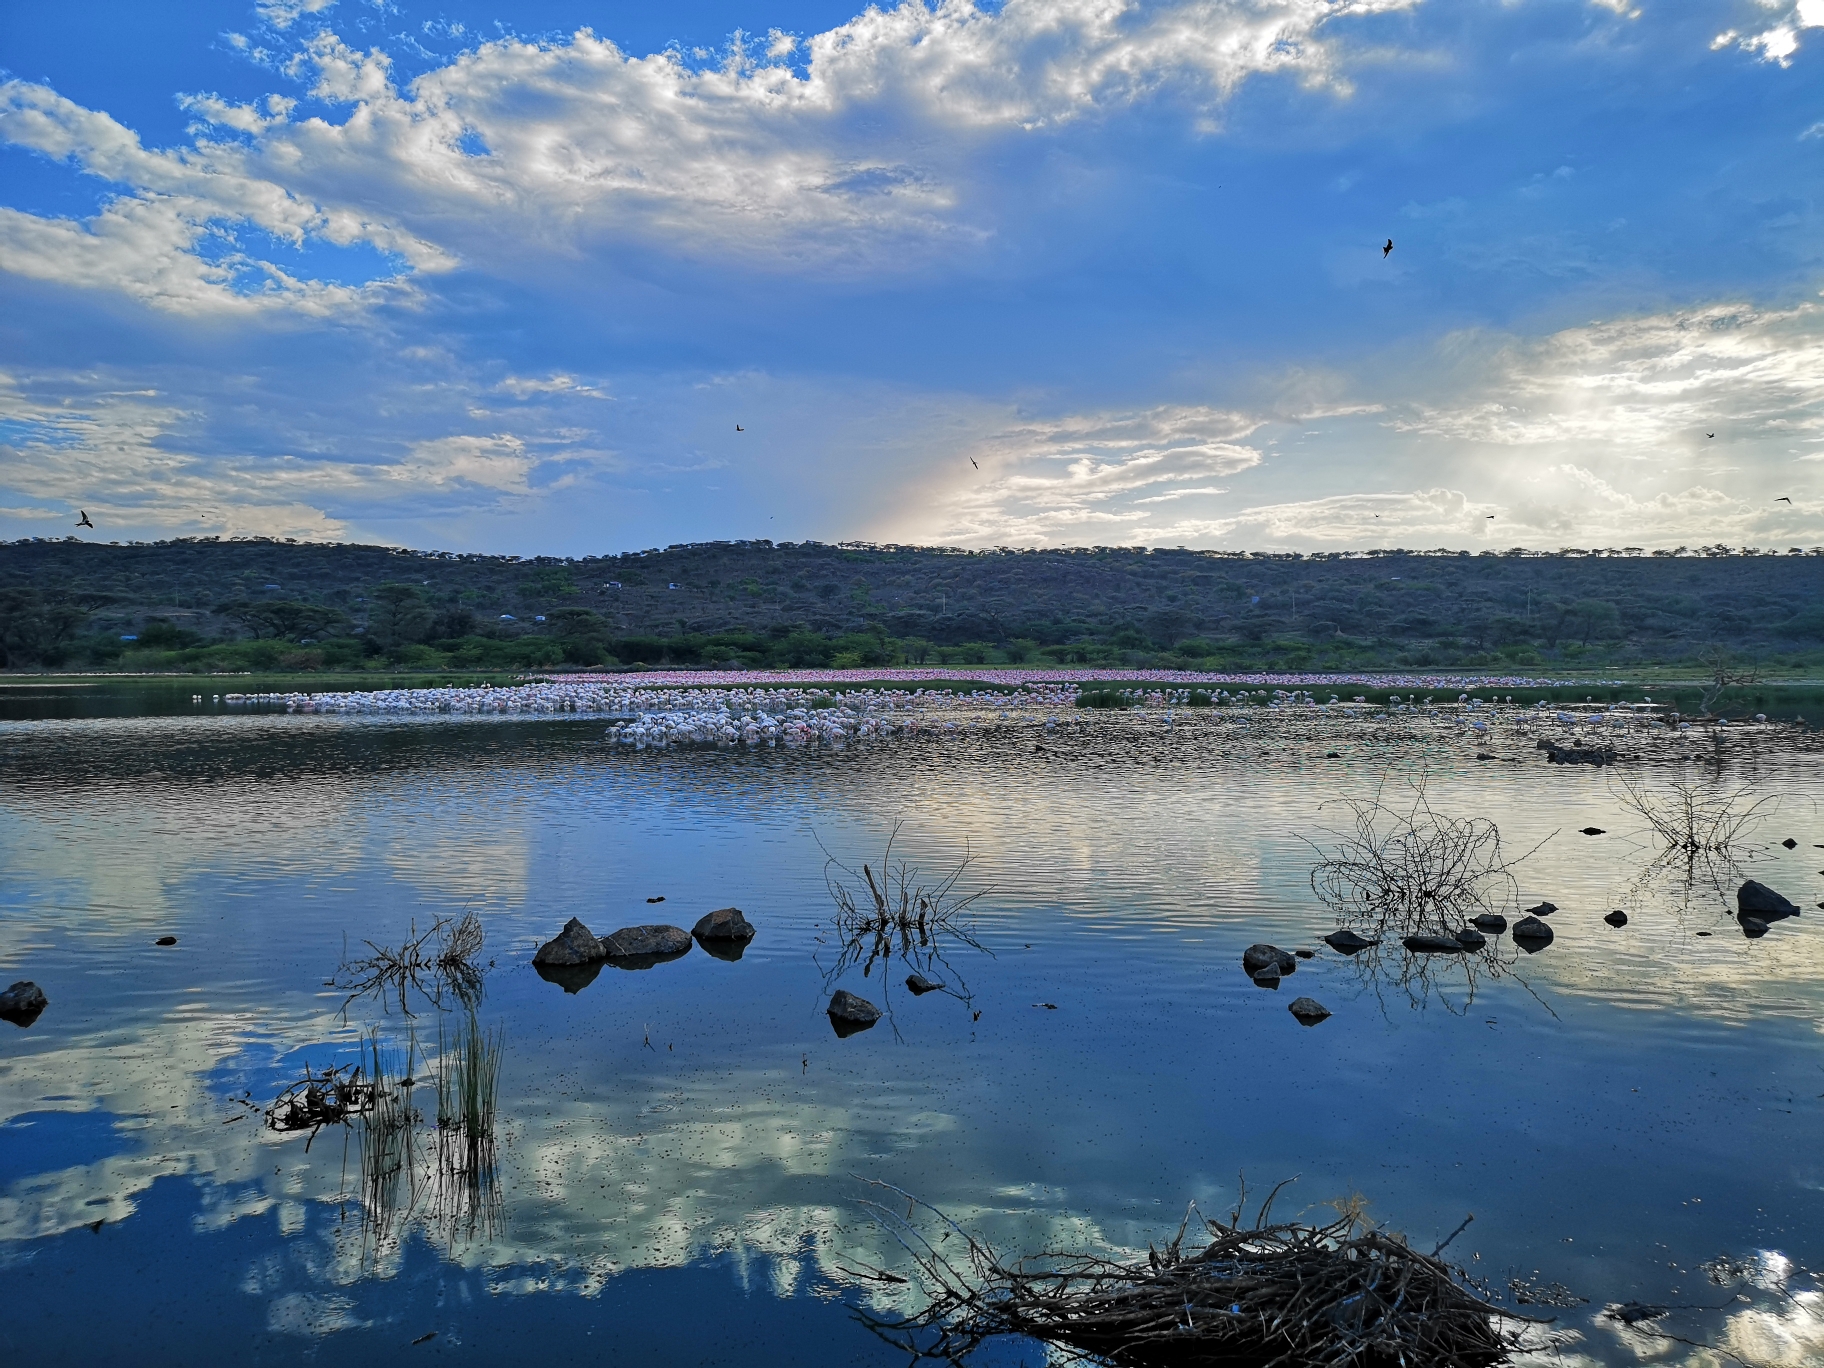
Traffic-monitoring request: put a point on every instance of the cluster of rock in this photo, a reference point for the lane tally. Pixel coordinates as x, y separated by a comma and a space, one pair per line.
1268, 964
576, 955
1556, 754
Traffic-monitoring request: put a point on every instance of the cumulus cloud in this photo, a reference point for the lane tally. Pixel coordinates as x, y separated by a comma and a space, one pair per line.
563, 145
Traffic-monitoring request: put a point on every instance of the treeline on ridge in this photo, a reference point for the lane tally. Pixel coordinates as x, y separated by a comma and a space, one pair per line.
208, 604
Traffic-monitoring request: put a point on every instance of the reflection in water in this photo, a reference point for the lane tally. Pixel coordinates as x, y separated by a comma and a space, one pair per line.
899, 916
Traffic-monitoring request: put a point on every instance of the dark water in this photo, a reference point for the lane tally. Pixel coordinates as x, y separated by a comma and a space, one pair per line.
682, 1151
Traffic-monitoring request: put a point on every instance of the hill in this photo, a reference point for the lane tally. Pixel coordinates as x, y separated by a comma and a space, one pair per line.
255, 604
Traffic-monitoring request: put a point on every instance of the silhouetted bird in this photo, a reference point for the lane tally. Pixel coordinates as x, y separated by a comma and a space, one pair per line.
1488, 515
739, 428
1709, 434
83, 521
972, 461
1388, 248
1782, 499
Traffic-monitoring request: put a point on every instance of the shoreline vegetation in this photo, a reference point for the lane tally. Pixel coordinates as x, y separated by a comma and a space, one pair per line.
206, 606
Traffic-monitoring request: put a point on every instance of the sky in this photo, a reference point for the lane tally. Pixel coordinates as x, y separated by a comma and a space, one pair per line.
575, 278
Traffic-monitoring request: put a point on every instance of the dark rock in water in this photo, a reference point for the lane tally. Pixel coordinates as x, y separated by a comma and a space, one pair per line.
1433, 945
1309, 1011
1347, 942
1484, 755
1305, 954
23, 1002
165, 940
727, 950
849, 1014
572, 978
1703, 933
1542, 909
1532, 935
1752, 927
1333, 755
1617, 918
1579, 755
1790, 844
1267, 976
1471, 939
1633, 1313
1761, 901
1492, 922
652, 941
724, 924
573, 945
918, 983
1260, 954
1592, 831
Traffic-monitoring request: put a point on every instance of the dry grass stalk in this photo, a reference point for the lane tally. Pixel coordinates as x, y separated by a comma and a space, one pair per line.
1695, 818
442, 959
1281, 1295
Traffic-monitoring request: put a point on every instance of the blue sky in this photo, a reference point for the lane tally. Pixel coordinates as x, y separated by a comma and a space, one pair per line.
1079, 272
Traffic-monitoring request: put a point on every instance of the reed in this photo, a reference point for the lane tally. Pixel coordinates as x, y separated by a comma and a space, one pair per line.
442, 960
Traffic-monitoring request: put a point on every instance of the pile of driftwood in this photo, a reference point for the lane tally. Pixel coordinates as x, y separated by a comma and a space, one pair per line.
1287, 1295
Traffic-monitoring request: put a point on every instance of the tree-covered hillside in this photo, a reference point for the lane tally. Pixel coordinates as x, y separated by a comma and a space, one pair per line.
210, 604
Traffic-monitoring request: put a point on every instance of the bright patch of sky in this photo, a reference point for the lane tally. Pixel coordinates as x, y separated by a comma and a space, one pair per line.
1042, 272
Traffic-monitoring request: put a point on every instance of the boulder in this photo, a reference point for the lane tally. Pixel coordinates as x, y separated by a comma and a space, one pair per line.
165, 940
1471, 939
921, 985
1267, 976
641, 942
1347, 942
1617, 918
1309, 1011
849, 1014
1579, 755
1593, 831
573, 945
1756, 899
724, 924
1492, 922
1790, 844
22, 1003
1542, 909
1256, 956
1531, 934
1305, 954
1433, 945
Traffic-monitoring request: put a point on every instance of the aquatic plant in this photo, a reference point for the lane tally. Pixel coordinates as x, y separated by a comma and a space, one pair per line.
442, 959
1414, 870
897, 914
1694, 817
1346, 1294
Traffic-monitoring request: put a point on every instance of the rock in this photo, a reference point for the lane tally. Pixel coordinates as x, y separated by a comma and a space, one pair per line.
1267, 976
1492, 922
1256, 955
1484, 755
572, 978
725, 924
1309, 1011
1579, 755
1433, 945
573, 945
849, 1014
1305, 954
1542, 910
1531, 934
22, 1003
1753, 927
1763, 902
165, 940
1471, 939
1592, 831
1617, 918
1347, 942
1790, 844
644, 941
1333, 755
919, 984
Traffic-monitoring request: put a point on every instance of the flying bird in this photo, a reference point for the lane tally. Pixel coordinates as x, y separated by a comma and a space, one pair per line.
1388, 248
972, 461
1488, 515
83, 521
739, 428
1709, 434
1783, 499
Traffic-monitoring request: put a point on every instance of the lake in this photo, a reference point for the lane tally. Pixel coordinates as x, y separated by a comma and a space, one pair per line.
684, 1154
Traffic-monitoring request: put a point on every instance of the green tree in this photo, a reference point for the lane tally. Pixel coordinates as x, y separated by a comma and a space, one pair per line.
399, 616
284, 619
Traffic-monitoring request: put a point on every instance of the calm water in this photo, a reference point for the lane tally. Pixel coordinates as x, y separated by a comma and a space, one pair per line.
682, 1151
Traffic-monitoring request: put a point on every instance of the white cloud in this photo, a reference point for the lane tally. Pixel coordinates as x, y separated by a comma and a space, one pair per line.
282, 14
868, 149
1779, 39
